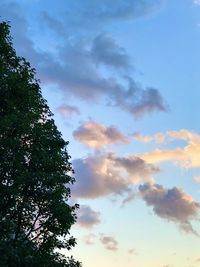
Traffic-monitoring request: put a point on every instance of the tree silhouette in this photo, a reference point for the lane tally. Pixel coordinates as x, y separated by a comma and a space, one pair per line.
35, 217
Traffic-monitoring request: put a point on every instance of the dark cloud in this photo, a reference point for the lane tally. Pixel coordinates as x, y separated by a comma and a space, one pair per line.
75, 68
97, 136
77, 74
139, 101
53, 23
105, 50
109, 242
87, 217
68, 110
171, 204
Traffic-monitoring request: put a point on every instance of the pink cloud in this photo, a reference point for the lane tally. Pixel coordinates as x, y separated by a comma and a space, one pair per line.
108, 174
68, 110
97, 136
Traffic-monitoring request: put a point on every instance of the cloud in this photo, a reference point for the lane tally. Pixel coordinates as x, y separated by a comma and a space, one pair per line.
158, 138
196, 2
132, 251
75, 69
87, 217
98, 176
53, 23
97, 136
93, 15
90, 239
77, 74
12, 12
139, 101
184, 134
187, 156
109, 242
136, 168
68, 110
171, 204
197, 179
105, 50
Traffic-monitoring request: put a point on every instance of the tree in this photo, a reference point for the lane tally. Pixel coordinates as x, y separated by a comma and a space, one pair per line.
35, 217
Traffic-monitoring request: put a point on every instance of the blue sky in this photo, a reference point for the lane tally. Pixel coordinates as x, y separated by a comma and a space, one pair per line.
122, 79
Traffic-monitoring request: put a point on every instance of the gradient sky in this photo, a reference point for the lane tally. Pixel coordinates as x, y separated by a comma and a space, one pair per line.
122, 79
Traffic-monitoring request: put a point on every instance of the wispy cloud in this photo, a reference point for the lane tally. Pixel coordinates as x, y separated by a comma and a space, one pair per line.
109, 242
97, 136
68, 110
132, 251
171, 204
158, 137
90, 239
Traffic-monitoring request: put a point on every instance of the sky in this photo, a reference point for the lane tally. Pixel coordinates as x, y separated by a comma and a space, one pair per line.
122, 79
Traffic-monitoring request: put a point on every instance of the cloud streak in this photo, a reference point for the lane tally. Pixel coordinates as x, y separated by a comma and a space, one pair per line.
187, 156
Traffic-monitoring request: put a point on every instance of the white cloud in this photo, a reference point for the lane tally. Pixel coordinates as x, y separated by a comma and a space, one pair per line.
186, 156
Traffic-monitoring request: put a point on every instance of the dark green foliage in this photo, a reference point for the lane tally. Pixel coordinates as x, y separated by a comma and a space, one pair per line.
34, 169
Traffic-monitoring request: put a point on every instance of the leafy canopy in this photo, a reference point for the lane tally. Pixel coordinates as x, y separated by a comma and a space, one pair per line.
35, 217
